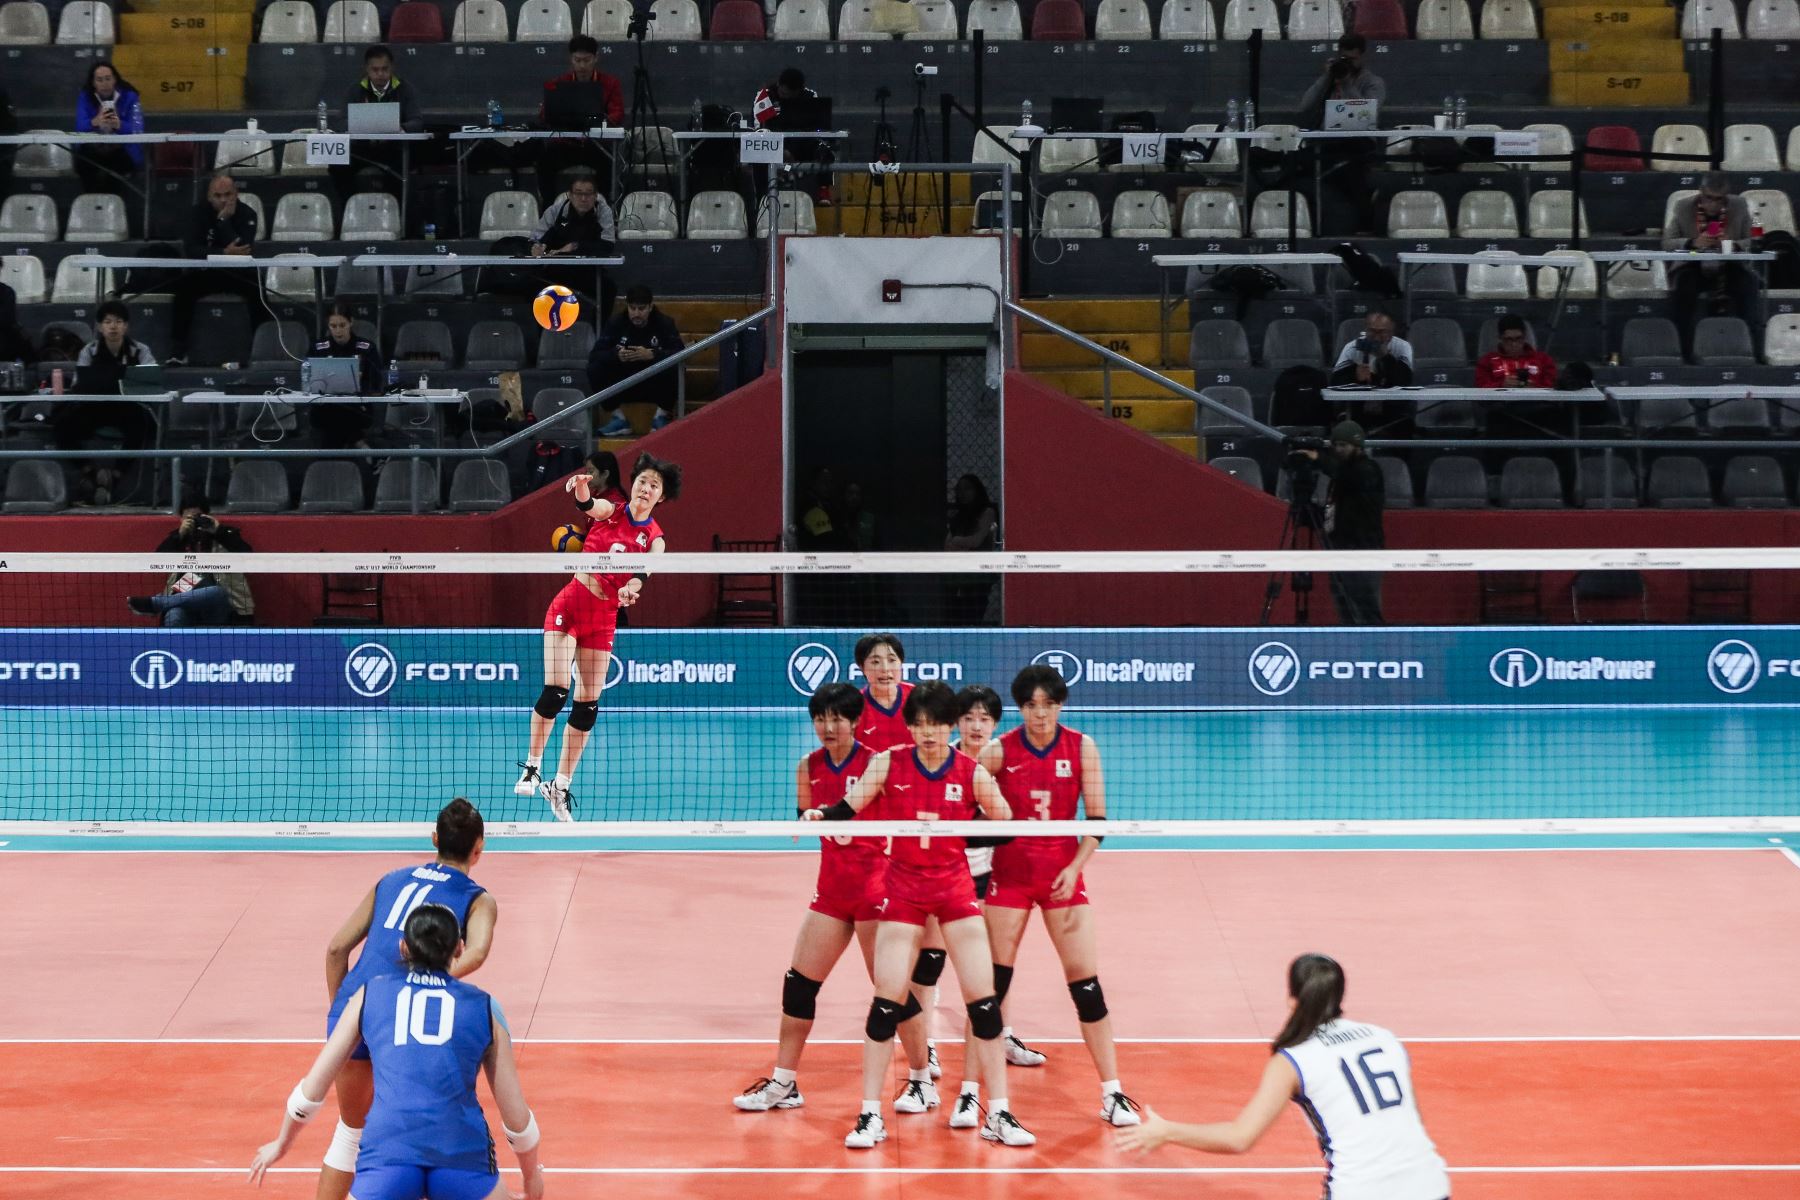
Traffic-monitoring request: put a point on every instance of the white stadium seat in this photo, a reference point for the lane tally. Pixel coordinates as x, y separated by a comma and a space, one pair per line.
289, 23
1244, 16
1211, 213
801, 21
1071, 214
357, 22
24, 23
1140, 214
676, 21
1444, 21
1188, 21
24, 274
1122, 21
1773, 20
1750, 148
717, 216
1509, 20
480, 21
998, 20
1700, 17
545, 21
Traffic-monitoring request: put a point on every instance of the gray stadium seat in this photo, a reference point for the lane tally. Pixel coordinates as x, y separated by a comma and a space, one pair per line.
1678, 481
35, 486
1218, 343
1745, 416
1723, 342
1753, 481
258, 485
494, 346
371, 217
1438, 342
96, 217
24, 23
1530, 481
1292, 342
1398, 480
1650, 342
362, 281
424, 343
436, 281
394, 488
479, 485
1665, 414
1217, 424
277, 344
565, 349
1456, 481
1244, 470
413, 422
573, 430
334, 486
1432, 279
1596, 488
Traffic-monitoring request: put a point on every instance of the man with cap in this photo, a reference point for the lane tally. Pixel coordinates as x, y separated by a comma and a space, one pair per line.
1353, 520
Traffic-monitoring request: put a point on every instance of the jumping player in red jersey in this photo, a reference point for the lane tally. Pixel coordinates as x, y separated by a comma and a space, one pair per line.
929, 877
579, 626
852, 882
1045, 771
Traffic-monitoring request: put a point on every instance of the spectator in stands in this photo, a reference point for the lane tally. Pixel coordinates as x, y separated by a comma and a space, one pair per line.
634, 341
1709, 222
343, 425
561, 154
14, 345
1515, 362
818, 529
379, 85
220, 224
974, 526
579, 224
190, 598
766, 112
1345, 163
99, 368
107, 104
1353, 520
1377, 357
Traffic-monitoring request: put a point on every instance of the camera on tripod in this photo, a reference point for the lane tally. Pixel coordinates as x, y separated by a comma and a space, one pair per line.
642, 13
924, 69
1303, 471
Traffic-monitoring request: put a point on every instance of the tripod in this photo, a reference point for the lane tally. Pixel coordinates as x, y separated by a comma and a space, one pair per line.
905, 213
1303, 529
645, 122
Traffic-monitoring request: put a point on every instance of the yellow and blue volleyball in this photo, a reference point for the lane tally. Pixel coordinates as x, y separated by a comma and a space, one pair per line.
566, 539
556, 308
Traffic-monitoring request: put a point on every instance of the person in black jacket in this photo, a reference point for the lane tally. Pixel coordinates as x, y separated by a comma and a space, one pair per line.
14, 345
99, 368
1353, 520
635, 340
191, 598
378, 85
220, 224
343, 425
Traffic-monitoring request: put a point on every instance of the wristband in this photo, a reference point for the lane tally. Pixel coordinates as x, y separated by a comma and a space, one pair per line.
300, 1108
525, 1140
841, 811
585, 505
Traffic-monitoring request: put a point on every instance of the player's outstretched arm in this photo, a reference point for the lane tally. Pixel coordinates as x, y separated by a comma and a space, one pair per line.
578, 486
634, 587
516, 1116
858, 797
1279, 1083
308, 1096
987, 795
348, 937
478, 936
992, 758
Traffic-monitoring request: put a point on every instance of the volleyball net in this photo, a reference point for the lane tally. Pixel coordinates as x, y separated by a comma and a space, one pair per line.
1525, 691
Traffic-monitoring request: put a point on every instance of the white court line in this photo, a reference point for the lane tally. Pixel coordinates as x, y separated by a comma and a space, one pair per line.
1502, 1039
1555, 1169
1786, 853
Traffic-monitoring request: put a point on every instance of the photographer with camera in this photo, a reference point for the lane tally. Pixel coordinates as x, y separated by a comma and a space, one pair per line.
1353, 515
194, 598
1345, 163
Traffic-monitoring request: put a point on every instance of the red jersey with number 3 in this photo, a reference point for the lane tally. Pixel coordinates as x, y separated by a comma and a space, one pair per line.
839, 853
912, 794
1040, 785
883, 728
617, 533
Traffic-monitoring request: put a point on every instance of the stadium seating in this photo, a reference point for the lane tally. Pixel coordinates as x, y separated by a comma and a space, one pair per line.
998, 20
1781, 339
1456, 481
607, 20
1770, 208
35, 486
802, 21
258, 486
289, 22
352, 21
1122, 21
404, 485
1217, 424
938, 21
1679, 139
1723, 342
494, 346
1509, 20
1739, 416
1531, 481
1188, 20
244, 156
1750, 148
479, 21
1063, 156
1772, 20
303, 217
857, 22
717, 216
1217, 343
1753, 481
1613, 137
1141, 214
1246, 471
1397, 482
85, 23
1488, 215
676, 21
1315, 21
1059, 21
479, 485
565, 349
1583, 279
1292, 342
1211, 213
371, 217
648, 216
1497, 280
1444, 21
24, 274
797, 216
1270, 214
1678, 481
1071, 214
24, 23
508, 214
1606, 483
415, 21
1700, 17
332, 486
28, 218
1417, 214
1551, 214
1650, 342
97, 217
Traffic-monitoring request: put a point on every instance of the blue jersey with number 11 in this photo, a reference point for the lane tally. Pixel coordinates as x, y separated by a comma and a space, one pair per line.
396, 895
427, 1034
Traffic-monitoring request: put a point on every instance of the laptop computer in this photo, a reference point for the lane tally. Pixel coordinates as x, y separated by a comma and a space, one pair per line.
377, 117
1352, 115
1075, 114
803, 114
142, 380
575, 106
331, 376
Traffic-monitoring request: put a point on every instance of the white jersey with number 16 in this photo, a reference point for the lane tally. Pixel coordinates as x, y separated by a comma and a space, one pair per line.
1356, 1089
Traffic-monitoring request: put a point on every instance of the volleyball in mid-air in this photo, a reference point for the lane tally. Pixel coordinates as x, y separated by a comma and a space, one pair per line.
556, 308
566, 539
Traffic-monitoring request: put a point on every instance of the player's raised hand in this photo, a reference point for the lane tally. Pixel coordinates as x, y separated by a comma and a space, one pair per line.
266, 1157
1141, 1139
578, 483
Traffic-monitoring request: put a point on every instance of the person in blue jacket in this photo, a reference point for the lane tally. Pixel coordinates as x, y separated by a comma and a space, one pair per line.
107, 104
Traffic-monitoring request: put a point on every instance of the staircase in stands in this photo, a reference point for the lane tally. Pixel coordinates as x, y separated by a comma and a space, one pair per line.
696, 319
1128, 327
1615, 54
186, 55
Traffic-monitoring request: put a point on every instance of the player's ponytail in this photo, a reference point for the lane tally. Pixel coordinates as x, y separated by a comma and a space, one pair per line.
1316, 984
432, 935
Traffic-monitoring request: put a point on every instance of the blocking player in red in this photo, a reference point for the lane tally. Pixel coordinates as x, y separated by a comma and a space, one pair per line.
852, 882
581, 621
928, 876
1046, 771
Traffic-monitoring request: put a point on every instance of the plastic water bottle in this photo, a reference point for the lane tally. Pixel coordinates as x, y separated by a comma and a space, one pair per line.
1231, 116
324, 118
1249, 115
424, 382
393, 376
431, 231
1449, 108
1462, 112
306, 374
496, 119
1025, 114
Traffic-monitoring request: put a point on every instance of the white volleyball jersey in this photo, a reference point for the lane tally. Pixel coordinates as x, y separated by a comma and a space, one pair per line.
1356, 1089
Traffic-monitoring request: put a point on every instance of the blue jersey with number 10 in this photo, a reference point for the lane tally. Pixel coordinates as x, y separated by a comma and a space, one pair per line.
396, 895
427, 1034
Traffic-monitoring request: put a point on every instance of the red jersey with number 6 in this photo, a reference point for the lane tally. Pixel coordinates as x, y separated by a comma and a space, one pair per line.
617, 533
1040, 785
840, 853
884, 728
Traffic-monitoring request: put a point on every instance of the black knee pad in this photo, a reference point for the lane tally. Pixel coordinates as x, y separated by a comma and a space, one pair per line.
799, 996
929, 967
984, 1019
1002, 981
550, 702
583, 714
1090, 1001
911, 1008
884, 1018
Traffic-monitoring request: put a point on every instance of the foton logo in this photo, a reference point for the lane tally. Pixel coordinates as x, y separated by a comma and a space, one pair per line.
1274, 668
370, 670
811, 667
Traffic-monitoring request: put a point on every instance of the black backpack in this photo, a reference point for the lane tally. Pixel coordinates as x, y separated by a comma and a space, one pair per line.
1368, 273
1784, 272
1248, 282
1298, 399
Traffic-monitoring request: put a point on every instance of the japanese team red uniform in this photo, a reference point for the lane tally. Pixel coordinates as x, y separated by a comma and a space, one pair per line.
852, 870
884, 728
928, 876
1039, 786
577, 610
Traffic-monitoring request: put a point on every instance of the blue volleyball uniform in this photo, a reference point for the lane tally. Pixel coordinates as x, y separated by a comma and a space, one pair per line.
426, 1137
396, 895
